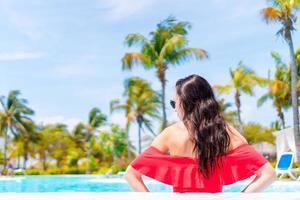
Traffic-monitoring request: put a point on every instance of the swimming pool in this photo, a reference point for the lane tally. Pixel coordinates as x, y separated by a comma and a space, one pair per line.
100, 183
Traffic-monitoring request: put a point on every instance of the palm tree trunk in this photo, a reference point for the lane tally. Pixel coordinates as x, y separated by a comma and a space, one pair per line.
161, 73
139, 131
5, 149
44, 161
281, 117
25, 153
294, 95
88, 158
238, 106
164, 122
128, 142
18, 161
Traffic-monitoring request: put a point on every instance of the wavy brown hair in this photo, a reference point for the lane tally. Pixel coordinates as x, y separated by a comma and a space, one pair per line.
203, 118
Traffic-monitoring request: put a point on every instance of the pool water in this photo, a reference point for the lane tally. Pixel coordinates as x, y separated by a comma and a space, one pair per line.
100, 183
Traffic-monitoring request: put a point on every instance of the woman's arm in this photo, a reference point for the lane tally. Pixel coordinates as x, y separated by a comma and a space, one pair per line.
133, 176
264, 177
134, 179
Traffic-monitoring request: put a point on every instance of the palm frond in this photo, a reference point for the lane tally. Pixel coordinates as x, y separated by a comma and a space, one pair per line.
223, 89
135, 39
171, 45
135, 58
271, 14
186, 54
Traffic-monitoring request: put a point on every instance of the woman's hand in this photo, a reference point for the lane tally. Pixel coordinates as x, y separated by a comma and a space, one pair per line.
264, 177
134, 179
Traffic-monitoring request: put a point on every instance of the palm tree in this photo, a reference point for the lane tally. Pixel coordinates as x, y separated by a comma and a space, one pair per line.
54, 142
141, 105
278, 89
95, 120
59, 143
114, 142
27, 135
44, 144
14, 114
230, 116
166, 46
243, 80
284, 12
79, 135
115, 105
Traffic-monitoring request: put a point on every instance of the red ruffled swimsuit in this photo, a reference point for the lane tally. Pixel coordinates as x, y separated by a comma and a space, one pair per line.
182, 172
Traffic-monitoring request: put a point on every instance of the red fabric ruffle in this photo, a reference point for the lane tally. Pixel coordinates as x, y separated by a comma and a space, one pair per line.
182, 172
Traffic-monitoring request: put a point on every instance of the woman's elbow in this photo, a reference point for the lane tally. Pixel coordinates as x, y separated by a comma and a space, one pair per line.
273, 175
131, 173
268, 172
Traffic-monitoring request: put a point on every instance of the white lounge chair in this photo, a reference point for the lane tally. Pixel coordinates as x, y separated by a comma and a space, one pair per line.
284, 165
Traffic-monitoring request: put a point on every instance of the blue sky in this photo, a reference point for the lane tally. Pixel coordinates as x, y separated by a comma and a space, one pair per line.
64, 55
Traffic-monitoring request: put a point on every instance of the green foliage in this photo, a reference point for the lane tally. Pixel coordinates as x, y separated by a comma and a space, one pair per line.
34, 172
115, 169
255, 133
22, 173
73, 158
92, 163
103, 170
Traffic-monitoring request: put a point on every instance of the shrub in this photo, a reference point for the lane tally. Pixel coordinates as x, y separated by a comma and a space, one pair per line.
103, 170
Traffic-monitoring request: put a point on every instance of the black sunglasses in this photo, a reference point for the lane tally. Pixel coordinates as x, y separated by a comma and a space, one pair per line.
172, 103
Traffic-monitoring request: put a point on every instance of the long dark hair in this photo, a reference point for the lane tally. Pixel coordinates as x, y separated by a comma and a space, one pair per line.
203, 118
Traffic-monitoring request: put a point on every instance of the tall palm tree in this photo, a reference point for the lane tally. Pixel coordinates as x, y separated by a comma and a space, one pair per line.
79, 135
167, 45
243, 80
278, 89
54, 142
230, 116
95, 120
27, 135
59, 143
115, 105
14, 114
114, 142
284, 12
44, 144
141, 105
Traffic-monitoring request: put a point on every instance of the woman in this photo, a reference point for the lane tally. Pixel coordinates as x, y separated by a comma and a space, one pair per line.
202, 152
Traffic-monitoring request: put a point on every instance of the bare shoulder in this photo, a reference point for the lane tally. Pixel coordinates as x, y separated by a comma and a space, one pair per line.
178, 126
235, 136
168, 136
161, 141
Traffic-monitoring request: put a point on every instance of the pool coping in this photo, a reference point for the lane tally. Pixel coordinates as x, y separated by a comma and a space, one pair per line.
147, 196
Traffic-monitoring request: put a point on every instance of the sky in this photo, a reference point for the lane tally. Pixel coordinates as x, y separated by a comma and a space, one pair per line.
65, 55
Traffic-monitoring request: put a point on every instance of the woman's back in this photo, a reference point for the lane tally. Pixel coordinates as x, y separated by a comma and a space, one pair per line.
180, 144
202, 152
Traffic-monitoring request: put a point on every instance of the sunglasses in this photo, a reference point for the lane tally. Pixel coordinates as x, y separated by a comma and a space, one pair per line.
172, 103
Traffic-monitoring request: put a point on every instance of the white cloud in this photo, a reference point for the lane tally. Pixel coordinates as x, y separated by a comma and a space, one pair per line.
70, 122
20, 56
120, 9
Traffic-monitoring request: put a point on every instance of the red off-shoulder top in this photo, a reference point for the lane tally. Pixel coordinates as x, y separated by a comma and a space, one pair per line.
182, 172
